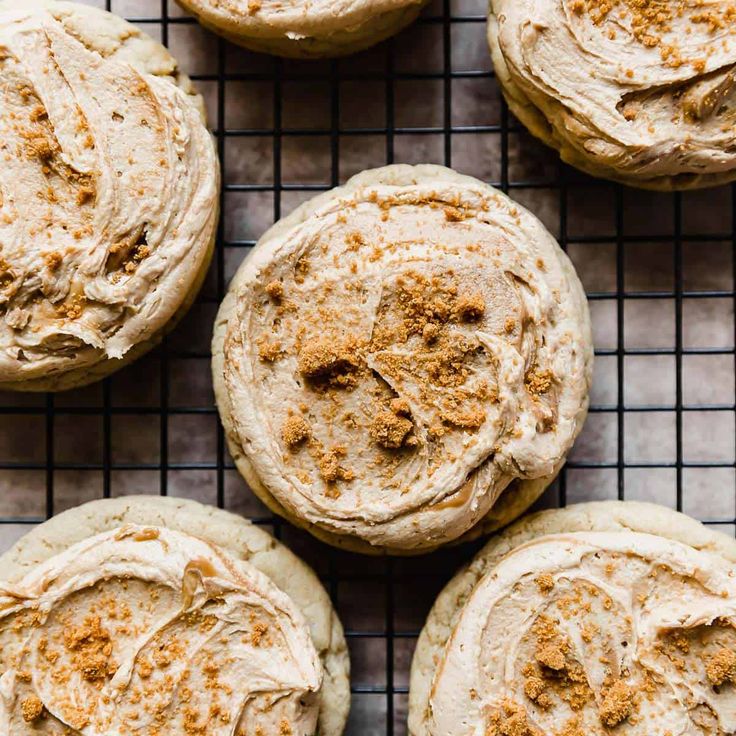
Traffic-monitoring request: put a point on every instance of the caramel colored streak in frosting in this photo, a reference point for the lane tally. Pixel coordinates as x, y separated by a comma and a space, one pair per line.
433, 344
150, 632
593, 633
642, 90
108, 190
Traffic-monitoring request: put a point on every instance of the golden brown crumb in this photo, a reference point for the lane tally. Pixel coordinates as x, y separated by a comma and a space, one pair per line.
545, 582
574, 728
144, 669
275, 289
254, 6
534, 689
551, 656
430, 332
538, 382
40, 147
92, 647
256, 636
268, 351
510, 720
53, 260
329, 361
471, 307
330, 468
400, 407
721, 667
85, 194
453, 214
31, 708
389, 430
72, 309
617, 704
295, 430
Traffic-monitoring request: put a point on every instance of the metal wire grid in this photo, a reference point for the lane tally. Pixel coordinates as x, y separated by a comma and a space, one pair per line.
381, 651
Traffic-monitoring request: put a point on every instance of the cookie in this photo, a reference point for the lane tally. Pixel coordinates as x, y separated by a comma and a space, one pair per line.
220, 538
620, 533
108, 194
305, 28
395, 354
643, 94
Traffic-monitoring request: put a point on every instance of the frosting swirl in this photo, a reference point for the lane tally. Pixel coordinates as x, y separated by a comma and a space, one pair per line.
146, 631
108, 189
585, 632
306, 27
643, 92
397, 354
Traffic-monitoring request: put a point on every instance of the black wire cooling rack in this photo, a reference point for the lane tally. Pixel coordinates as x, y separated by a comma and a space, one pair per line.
659, 271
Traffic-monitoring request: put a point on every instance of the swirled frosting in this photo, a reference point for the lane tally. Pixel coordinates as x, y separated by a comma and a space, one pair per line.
395, 359
639, 91
148, 632
108, 189
319, 27
593, 633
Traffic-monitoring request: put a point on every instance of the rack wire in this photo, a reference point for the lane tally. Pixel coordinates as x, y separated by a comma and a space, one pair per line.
659, 271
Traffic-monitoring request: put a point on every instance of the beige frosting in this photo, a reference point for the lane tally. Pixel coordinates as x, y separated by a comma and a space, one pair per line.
577, 634
306, 27
108, 190
147, 631
396, 358
644, 92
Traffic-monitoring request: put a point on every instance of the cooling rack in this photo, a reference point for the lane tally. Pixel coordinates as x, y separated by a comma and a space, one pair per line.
658, 268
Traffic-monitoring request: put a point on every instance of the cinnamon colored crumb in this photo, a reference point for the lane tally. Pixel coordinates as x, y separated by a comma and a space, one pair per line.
40, 147
331, 361
31, 708
400, 407
330, 468
295, 430
510, 720
275, 289
534, 689
551, 656
545, 582
617, 704
389, 430
430, 332
721, 667
72, 309
84, 195
268, 351
53, 260
538, 382
470, 307
453, 214
259, 630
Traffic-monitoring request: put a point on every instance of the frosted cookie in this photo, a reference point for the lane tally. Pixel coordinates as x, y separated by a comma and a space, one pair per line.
601, 618
108, 194
305, 28
639, 92
396, 353
149, 615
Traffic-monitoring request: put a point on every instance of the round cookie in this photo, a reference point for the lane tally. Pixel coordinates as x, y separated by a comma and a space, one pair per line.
437, 203
605, 516
305, 28
644, 95
124, 186
229, 532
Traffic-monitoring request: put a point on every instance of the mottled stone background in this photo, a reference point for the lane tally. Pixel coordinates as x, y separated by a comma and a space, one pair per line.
659, 270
